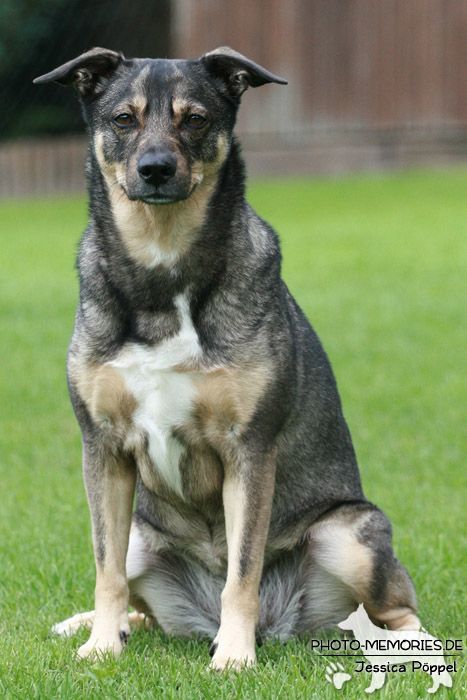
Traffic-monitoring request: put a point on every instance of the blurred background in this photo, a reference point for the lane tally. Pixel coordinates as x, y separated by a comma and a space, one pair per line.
372, 84
377, 261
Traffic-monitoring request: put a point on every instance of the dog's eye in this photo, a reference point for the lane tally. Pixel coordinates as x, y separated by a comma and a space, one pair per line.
123, 119
196, 120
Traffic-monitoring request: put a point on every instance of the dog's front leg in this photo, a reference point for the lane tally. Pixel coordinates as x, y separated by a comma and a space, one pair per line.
247, 496
110, 486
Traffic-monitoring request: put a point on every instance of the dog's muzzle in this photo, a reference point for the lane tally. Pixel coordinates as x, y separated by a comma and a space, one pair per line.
158, 178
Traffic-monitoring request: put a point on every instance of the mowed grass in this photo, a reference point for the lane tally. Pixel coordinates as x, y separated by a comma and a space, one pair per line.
379, 266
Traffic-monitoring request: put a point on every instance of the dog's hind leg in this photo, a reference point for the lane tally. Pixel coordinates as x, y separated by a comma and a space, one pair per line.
351, 551
69, 627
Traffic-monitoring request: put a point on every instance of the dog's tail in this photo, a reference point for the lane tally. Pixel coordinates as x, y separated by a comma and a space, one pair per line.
185, 598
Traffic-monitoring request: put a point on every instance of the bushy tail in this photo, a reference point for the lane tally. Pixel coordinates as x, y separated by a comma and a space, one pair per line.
185, 598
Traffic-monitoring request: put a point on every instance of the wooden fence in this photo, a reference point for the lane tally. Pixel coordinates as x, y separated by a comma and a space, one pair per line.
42, 167
372, 83
350, 63
56, 166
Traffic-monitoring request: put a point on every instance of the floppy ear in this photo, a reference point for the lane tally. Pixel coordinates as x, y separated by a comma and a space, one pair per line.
85, 70
236, 72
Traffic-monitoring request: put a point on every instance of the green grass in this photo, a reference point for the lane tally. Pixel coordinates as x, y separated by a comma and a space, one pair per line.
378, 264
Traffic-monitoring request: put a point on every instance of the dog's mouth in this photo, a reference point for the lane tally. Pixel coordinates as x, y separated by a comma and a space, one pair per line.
158, 199
155, 198
176, 189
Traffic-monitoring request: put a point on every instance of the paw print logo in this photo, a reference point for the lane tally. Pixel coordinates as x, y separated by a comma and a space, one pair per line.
335, 674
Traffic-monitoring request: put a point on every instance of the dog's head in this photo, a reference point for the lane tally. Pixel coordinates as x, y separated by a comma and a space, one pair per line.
160, 127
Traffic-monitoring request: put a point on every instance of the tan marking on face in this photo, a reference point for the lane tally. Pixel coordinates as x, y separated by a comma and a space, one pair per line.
107, 168
222, 148
206, 170
183, 107
161, 234
139, 102
154, 234
138, 105
179, 107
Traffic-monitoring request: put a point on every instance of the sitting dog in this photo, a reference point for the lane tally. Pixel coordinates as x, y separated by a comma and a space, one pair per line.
197, 380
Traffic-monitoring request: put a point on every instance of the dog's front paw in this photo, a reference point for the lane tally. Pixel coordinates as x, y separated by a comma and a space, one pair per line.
97, 648
231, 652
104, 642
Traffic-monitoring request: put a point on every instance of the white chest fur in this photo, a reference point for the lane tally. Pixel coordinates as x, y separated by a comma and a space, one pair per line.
164, 396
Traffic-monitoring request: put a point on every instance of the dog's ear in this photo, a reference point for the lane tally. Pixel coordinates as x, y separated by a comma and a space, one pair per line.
85, 71
236, 72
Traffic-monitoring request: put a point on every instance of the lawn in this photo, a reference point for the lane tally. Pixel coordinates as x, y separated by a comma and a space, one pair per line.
379, 265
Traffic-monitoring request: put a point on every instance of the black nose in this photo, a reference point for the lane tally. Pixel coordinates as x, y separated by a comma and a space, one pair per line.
156, 167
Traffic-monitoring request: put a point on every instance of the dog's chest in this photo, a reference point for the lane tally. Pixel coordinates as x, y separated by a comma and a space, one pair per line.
164, 396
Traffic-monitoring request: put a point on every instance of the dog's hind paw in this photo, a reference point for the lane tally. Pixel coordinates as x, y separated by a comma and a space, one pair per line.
69, 627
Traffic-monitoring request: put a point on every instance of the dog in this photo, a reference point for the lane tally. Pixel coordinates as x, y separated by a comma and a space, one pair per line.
198, 382
383, 658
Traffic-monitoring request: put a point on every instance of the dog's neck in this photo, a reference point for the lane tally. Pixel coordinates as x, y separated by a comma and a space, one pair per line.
159, 234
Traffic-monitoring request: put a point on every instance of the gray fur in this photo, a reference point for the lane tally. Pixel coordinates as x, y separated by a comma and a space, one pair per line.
185, 598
